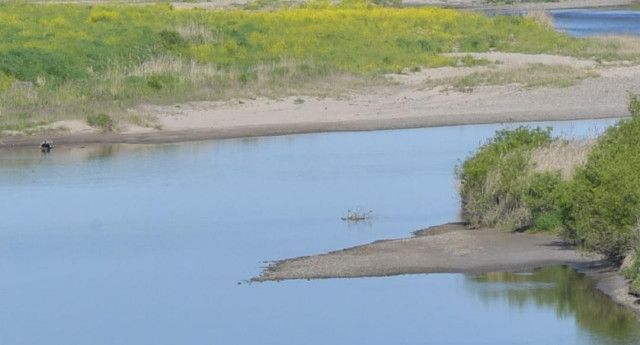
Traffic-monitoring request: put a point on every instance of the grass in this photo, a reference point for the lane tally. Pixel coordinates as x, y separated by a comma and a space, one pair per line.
562, 156
530, 76
103, 121
61, 61
613, 48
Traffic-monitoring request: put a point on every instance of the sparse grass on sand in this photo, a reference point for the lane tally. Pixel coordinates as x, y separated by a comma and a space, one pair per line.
64, 61
532, 75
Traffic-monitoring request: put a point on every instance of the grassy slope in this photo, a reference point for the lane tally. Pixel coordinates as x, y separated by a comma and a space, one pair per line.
63, 61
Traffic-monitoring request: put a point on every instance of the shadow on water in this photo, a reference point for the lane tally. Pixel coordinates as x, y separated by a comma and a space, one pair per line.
567, 292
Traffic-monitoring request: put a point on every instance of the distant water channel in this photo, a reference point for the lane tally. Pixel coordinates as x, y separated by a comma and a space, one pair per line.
597, 22
132, 244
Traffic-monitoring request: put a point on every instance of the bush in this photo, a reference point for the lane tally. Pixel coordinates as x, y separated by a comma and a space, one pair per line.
599, 208
605, 202
542, 198
493, 183
103, 121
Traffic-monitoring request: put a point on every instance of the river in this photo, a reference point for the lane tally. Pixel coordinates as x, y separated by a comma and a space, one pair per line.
597, 22
133, 244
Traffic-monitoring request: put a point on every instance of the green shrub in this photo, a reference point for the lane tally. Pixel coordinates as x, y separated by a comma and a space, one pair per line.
494, 182
542, 197
605, 194
103, 121
599, 208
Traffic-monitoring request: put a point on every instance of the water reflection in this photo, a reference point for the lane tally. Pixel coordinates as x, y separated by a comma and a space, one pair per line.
567, 292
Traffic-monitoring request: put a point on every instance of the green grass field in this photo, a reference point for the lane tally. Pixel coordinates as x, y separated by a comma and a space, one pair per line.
63, 61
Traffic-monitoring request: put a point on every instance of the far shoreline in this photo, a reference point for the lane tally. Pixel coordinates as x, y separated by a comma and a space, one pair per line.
190, 135
403, 101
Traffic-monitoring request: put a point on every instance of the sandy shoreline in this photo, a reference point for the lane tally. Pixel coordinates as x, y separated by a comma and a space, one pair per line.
276, 130
405, 101
451, 248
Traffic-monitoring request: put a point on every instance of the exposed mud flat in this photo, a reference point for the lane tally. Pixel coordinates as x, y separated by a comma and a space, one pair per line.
452, 248
449, 248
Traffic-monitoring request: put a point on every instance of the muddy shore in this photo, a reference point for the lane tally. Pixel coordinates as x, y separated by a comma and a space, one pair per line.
452, 248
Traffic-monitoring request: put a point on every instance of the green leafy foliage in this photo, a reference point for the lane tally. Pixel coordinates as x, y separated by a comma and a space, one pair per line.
605, 194
493, 183
542, 196
599, 207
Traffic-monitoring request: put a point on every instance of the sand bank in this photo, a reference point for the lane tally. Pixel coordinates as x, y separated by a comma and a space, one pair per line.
452, 248
406, 101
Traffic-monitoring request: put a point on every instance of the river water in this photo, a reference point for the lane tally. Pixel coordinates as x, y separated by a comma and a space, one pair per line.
132, 244
590, 22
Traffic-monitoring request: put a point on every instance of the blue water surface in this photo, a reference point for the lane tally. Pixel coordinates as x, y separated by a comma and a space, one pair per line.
134, 244
597, 22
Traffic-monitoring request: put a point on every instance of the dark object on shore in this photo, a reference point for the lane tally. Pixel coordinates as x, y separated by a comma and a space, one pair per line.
356, 216
46, 146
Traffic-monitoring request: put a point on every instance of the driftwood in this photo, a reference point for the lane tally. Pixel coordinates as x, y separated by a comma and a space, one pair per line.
353, 216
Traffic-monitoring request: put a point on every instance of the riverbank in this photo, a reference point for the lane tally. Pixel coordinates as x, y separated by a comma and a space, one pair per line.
185, 78
458, 4
523, 5
428, 98
452, 248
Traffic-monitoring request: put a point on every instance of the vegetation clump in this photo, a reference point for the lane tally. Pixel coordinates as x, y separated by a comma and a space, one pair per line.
103, 121
495, 183
597, 206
